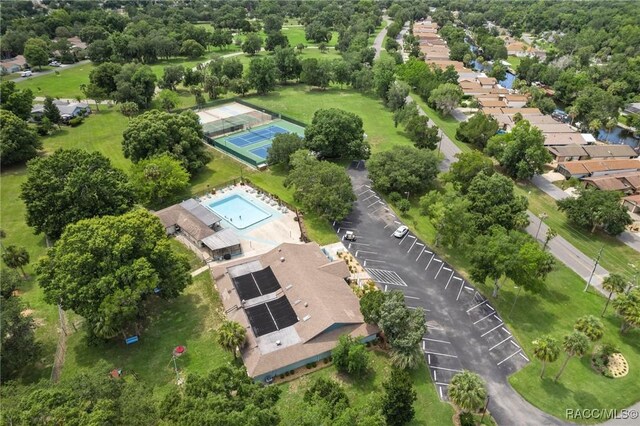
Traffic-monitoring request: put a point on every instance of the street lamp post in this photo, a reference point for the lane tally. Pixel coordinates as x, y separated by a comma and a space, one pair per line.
542, 217
407, 194
515, 300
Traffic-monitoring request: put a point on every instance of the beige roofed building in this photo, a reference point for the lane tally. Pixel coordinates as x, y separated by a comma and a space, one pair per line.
295, 304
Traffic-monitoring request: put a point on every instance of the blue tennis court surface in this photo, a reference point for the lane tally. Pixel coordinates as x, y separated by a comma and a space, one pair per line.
255, 136
261, 151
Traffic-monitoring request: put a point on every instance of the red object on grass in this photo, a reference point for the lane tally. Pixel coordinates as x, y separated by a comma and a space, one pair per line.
179, 350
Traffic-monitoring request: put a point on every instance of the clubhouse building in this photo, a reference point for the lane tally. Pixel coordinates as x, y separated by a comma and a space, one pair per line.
294, 302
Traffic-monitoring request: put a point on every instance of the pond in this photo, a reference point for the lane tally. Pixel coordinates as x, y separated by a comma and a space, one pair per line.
477, 66
619, 135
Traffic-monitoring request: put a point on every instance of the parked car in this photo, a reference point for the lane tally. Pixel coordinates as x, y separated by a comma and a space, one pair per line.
54, 64
401, 232
350, 236
26, 73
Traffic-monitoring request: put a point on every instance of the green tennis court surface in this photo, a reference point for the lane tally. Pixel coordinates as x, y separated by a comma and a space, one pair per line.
252, 145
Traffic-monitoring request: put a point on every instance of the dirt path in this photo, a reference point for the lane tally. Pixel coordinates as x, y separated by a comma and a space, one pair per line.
61, 348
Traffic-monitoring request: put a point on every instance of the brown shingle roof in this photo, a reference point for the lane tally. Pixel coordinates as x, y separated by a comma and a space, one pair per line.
555, 128
178, 215
491, 103
564, 139
616, 182
593, 166
603, 151
315, 282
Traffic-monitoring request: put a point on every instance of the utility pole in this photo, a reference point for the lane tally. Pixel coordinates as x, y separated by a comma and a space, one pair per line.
594, 268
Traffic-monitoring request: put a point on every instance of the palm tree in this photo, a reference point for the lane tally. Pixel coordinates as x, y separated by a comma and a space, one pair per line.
610, 125
16, 258
572, 112
407, 359
574, 344
546, 349
231, 335
614, 283
591, 326
595, 126
467, 391
628, 307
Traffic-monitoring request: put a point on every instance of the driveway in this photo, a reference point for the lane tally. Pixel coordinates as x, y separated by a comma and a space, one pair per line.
464, 329
377, 43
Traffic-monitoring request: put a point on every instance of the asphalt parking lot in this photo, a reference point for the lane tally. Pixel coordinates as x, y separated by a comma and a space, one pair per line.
464, 329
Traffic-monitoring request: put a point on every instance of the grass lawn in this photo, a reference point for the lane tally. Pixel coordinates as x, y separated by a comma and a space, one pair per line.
429, 409
449, 125
616, 255
300, 102
190, 320
514, 61
554, 312
65, 84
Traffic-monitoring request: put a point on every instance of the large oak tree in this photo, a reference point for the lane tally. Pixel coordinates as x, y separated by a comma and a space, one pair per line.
105, 268
70, 185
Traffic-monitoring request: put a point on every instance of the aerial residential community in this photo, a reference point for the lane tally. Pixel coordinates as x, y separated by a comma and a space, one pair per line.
349, 212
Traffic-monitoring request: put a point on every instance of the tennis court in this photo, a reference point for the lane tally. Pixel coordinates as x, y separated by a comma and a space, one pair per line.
252, 145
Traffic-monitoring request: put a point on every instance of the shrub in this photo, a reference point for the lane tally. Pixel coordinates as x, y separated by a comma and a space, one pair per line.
282, 376
309, 366
394, 197
403, 205
466, 419
76, 121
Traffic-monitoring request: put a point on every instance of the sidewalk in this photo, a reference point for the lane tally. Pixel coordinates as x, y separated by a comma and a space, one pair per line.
561, 249
629, 238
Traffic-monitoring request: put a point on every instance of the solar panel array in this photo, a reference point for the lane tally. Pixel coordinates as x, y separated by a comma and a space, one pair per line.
256, 284
271, 316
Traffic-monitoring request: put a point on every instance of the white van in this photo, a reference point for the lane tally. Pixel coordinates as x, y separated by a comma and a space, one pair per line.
26, 73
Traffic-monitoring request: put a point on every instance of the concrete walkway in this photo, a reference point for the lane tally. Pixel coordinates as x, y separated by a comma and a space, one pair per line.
199, 271
629, 238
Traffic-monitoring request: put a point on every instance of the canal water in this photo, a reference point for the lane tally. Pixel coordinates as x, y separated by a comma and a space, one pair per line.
618, 136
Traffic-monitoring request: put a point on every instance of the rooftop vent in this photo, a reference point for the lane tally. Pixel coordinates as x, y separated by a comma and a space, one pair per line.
282, 259
307, 318
278, 342
297, 301
306, 304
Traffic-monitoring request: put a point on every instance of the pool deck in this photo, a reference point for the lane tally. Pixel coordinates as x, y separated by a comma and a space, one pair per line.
266, 234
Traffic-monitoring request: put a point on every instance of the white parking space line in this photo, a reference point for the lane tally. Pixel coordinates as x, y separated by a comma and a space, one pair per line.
360, 244
403, 238
372, 260
397, 223
497, 317
411, 297
436, 340
445, 369
449, 280
498, 344
515, 353
515, 344
490, 307
381, 207
442, 384
460, 291
524, 356
365, 251
435, 375
374, 203
430, 260
429, 359
383, 276
437, 354
440, 388
494, 328
483, 318
439, 269
473, 307
506, 331
421, 252
371, 196
423, 345
447, 269
414, 243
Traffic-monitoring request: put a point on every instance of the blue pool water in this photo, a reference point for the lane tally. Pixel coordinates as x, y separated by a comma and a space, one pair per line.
239, 211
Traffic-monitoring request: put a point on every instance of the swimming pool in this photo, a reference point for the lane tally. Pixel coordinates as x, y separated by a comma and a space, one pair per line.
239, 211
